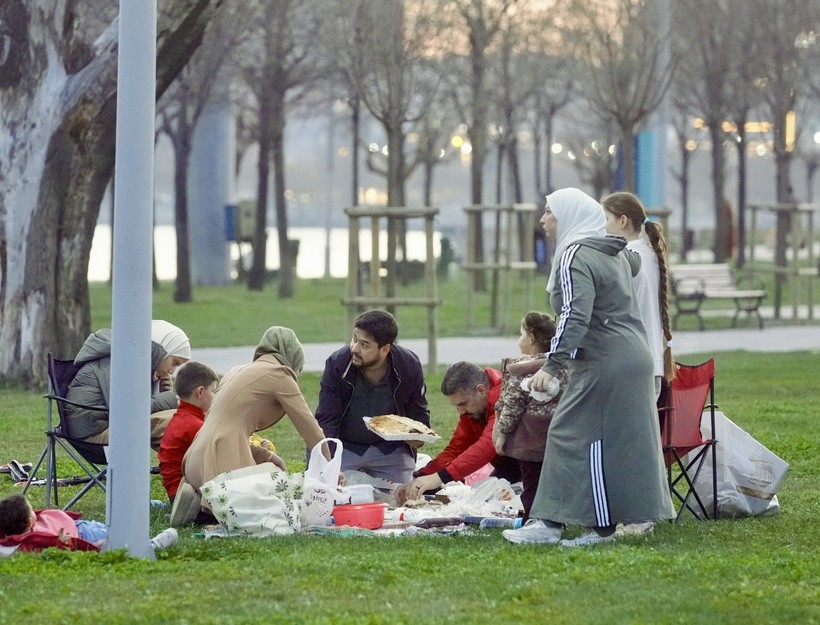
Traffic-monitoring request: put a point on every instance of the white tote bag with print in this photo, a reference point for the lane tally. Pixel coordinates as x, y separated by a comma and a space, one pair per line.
321, 489
259, 500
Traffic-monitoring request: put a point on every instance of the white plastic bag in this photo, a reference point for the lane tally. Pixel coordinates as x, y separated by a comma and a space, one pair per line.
321, 489
748, 474
260, 500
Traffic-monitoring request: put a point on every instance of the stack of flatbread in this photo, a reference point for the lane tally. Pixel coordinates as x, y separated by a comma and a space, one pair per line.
391, 425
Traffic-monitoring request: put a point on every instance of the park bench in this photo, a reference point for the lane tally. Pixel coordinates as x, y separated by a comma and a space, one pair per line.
693, 284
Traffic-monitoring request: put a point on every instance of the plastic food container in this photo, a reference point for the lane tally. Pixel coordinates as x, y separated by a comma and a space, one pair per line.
367, 515
360, 493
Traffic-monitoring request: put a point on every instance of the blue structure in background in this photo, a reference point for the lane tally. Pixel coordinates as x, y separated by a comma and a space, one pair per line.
650, 167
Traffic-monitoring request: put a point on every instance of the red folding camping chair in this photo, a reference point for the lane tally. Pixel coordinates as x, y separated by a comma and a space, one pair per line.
685, 449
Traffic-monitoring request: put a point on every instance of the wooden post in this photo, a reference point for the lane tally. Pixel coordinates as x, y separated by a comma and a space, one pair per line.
508, 264
353, 266
432, 294
376, 298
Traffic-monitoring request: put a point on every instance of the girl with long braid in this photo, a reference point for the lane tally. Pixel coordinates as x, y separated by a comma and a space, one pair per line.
626, 217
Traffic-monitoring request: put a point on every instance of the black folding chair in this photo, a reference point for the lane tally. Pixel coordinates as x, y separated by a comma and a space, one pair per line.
89, 456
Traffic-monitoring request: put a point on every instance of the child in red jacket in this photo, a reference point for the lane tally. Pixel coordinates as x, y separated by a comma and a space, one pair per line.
195, 386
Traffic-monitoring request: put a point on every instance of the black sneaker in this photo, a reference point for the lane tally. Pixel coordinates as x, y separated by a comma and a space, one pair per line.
19, 472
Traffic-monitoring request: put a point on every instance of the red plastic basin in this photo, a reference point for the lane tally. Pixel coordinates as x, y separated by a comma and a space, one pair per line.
367, 515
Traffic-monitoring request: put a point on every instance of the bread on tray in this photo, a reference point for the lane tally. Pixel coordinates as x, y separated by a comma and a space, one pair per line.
395, 424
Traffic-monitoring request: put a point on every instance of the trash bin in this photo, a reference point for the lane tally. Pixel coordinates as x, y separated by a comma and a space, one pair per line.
230, 222
447, 256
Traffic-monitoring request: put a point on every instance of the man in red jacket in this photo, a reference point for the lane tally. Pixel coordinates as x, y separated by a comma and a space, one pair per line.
473, 391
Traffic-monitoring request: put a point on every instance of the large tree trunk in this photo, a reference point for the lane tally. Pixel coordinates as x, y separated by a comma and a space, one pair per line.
256, 275
355, 129
57, 117
741, 193
395, 197
684, 188
548, 132
477, 133
628, 140
287, 262
182, 158
719, 246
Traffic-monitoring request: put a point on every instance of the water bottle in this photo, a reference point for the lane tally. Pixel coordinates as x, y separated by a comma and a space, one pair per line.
489, 522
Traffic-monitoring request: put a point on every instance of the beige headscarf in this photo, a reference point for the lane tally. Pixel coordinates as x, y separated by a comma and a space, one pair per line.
285, 347
173, 340
579, 217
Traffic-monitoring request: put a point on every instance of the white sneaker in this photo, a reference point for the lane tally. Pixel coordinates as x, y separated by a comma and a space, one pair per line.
588, 538
166, 538
534, 532
635, 529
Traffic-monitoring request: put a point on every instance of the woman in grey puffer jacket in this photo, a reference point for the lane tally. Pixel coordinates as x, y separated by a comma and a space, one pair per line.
92, 384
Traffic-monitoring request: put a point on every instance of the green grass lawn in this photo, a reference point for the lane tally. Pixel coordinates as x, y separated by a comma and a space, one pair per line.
758, 570
232, 315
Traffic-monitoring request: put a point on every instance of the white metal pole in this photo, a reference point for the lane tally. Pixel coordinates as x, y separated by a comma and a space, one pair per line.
129, 430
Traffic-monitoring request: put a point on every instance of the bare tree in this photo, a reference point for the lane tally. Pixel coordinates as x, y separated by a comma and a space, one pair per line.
483, 20
278, 64
433, 132
786, 82
179, 111
557, 85
686, 144
701, 28
746, 47
57, 120
628, 68
786, 74
383, 48
591, 149
385, 63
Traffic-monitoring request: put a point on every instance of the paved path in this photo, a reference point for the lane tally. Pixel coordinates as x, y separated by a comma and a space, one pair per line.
488, 350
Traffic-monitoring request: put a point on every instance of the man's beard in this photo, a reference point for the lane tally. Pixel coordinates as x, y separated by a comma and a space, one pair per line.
364, 364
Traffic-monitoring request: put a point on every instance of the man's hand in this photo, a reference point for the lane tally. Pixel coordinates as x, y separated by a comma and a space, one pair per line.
540, 381
416, 489
401, 494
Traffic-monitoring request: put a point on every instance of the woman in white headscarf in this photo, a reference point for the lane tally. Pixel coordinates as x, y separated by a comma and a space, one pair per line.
250, 398
177, 352
170, 348
603, 462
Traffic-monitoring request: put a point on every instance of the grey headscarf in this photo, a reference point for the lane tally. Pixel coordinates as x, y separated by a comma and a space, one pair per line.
285, 347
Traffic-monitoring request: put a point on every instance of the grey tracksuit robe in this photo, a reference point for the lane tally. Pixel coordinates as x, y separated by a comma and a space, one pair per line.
603, 463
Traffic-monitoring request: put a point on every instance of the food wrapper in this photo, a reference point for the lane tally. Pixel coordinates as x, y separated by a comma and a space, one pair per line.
264, 443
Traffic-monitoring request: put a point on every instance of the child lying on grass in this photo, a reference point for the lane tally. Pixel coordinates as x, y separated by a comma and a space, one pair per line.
24, 529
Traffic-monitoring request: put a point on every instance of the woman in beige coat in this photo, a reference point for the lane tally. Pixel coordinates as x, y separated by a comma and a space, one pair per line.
250, 398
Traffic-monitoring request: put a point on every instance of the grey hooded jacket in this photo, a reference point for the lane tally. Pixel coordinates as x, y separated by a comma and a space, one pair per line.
91, 386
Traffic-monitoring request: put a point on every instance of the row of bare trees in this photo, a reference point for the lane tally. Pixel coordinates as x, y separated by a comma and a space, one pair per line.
591, 73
